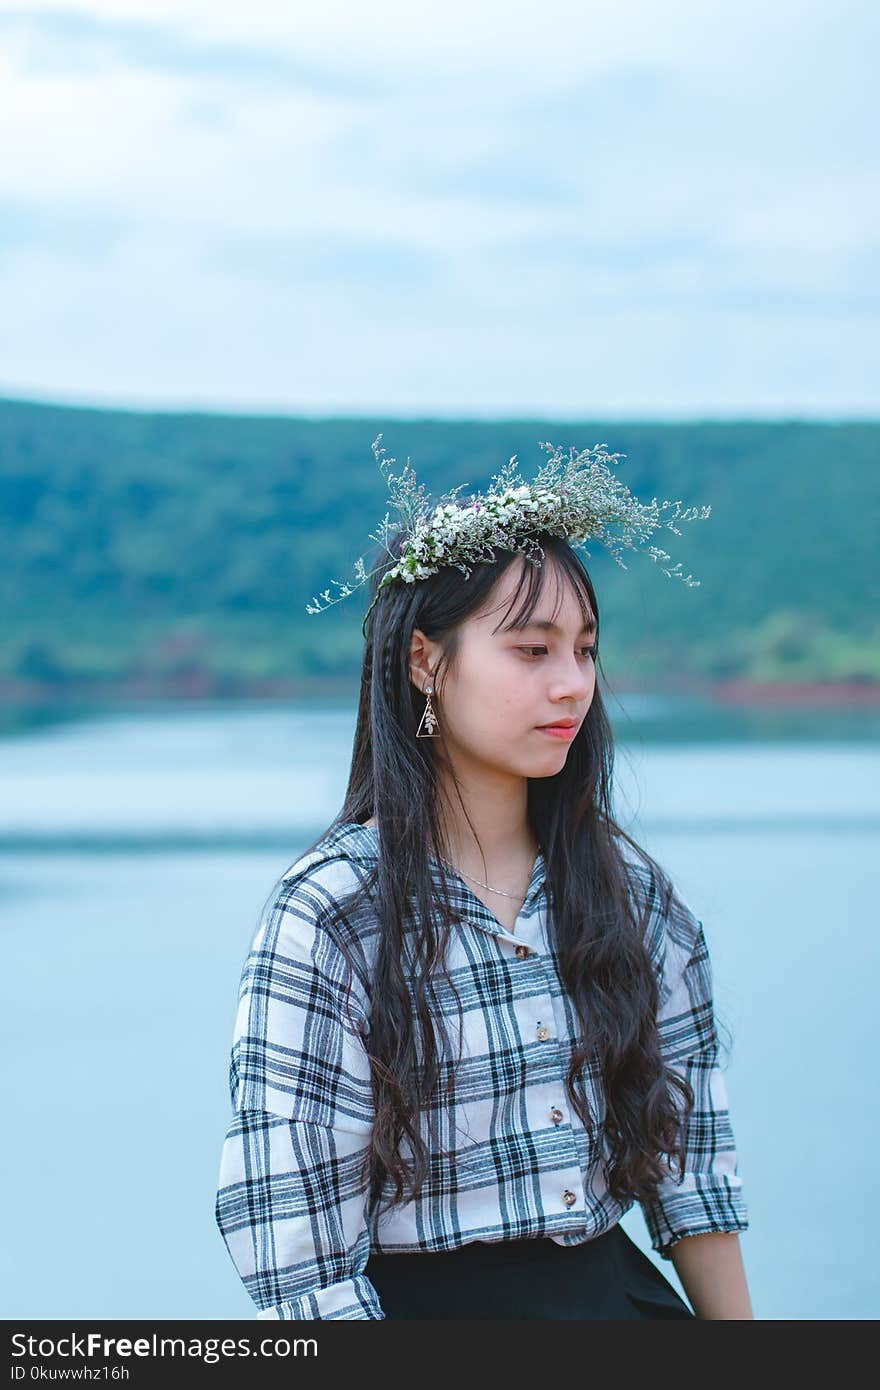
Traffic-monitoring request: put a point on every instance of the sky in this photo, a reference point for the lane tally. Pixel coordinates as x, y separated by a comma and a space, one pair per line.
664, 209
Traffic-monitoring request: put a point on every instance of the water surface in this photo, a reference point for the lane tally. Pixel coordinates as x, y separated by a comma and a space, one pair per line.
137, 851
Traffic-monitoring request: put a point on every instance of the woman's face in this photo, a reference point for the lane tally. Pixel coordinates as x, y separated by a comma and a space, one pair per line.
507, 683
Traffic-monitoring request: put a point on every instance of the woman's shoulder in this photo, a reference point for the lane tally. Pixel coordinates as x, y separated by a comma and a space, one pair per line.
308, 895
338, 856
671, 929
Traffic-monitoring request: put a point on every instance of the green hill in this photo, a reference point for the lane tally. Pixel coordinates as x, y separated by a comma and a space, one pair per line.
144, 543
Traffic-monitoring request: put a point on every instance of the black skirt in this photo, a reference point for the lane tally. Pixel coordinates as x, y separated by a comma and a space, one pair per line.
607, 1277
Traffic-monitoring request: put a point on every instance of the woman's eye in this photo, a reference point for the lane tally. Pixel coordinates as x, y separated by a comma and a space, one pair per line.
531, 650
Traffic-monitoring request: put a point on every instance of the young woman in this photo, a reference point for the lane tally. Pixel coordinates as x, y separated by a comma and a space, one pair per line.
476, 1021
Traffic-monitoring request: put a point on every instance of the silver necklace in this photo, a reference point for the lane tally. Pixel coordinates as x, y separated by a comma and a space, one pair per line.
517, 897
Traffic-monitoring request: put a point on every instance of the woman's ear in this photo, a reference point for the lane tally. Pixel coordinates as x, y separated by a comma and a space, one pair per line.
423, 658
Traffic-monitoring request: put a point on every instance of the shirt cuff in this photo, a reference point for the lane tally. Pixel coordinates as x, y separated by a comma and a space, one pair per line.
700, 1204
348, 1300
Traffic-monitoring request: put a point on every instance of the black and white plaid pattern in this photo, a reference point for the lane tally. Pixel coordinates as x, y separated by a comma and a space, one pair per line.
514, 1159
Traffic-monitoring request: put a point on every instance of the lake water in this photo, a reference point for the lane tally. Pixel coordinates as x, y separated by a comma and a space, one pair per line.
136, 851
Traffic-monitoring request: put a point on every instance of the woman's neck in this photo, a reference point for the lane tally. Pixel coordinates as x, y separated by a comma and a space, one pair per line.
496, 826
497, 855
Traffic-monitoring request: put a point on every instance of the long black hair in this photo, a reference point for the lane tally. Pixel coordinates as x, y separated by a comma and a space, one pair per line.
595, 910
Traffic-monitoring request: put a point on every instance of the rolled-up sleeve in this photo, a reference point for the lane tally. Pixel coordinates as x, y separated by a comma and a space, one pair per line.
291, 1199
707, 1194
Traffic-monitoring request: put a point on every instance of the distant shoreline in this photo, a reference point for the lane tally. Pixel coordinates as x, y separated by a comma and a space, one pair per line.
843, 694
205, 688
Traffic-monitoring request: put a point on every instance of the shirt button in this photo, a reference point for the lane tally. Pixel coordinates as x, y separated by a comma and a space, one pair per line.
568, 1197
542, 1032
556, 1115
522, 952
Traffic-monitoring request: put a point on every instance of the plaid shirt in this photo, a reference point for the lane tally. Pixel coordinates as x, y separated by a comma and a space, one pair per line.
292, 1211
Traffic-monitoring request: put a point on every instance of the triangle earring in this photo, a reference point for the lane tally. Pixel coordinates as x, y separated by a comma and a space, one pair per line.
429, 718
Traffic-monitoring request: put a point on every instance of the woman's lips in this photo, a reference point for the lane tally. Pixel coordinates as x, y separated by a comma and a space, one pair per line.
559, 731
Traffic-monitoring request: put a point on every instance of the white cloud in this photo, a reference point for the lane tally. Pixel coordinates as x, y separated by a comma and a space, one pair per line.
408, 206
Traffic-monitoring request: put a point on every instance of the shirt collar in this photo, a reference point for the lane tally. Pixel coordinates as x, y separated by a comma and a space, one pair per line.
473, 909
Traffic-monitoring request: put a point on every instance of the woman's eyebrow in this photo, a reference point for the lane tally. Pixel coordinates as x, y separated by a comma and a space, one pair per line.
545, 625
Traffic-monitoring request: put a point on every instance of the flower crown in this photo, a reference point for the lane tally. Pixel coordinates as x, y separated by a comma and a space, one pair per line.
576, 497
